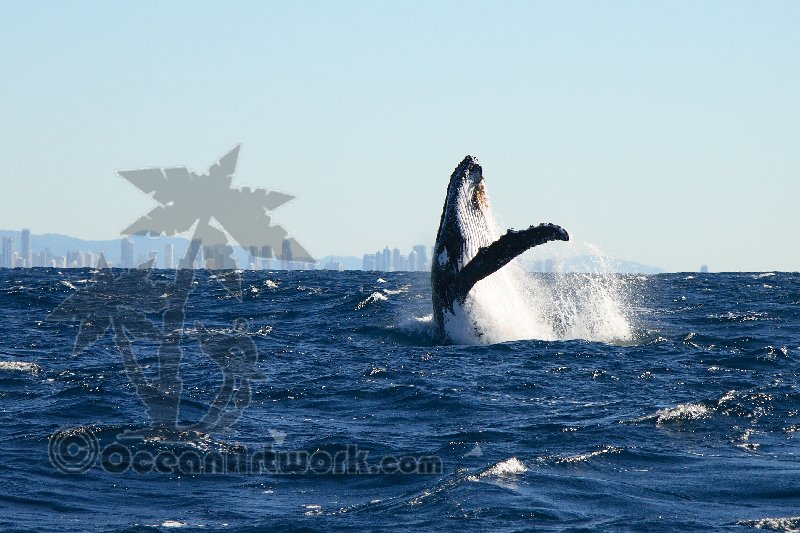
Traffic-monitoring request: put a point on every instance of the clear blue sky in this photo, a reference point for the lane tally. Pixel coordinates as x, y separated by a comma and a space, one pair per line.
663, 132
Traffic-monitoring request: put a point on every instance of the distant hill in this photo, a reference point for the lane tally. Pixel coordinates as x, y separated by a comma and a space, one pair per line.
587, 263
590, 263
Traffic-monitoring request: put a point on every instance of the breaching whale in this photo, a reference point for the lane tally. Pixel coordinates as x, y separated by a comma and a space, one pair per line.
466, 250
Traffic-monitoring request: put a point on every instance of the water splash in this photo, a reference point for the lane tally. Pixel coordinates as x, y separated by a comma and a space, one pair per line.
512, 304
592, 305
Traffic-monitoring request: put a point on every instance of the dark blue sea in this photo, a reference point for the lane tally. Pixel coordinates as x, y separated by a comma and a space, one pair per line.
358, 418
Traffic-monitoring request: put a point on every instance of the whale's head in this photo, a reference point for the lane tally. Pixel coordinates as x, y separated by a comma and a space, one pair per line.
467, 190
465, 225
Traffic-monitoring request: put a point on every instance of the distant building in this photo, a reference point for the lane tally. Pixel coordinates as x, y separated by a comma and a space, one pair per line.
412, 261
368, 262
387, 260
199, 260
217, 257
25, 247
169, 256
393, 260
126, 253
422, 258
267, 257
90, 259
41, 258
8, 252
74, 259
286, 250
286, 253
397, 261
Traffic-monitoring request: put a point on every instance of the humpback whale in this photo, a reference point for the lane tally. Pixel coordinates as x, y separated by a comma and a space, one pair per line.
468, 249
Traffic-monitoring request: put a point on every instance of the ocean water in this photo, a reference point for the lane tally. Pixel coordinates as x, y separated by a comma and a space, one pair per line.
685, 416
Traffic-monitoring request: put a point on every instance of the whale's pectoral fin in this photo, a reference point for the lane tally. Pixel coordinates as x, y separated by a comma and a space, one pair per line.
492, 258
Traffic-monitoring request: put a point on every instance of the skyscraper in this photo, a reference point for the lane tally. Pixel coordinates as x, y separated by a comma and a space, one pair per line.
286, 254
397, 263
25, 245
286, 250
90, 260
368, 262
266, 257
169, 256
387, 260
126, 253
8, 252
412, 261
422, 257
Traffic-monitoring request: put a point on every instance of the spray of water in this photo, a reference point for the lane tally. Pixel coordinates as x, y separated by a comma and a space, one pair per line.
512, 304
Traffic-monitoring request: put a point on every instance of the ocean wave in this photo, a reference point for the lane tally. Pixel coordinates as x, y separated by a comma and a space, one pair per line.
788, 524
20, 366
584, 457
509, 467
679, 413
393, 292
372, 298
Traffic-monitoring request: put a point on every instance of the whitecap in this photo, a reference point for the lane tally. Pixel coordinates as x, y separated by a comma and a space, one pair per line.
686, 411
20, 366
374, 297
509, 467
313, 509
392, 292
787, 524
582, 458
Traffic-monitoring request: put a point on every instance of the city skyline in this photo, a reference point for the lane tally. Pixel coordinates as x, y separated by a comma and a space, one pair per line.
129, 257
133, 251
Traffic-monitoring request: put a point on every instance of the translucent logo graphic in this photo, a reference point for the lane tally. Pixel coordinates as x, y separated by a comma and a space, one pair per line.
78, 450
143, 313
215, 209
